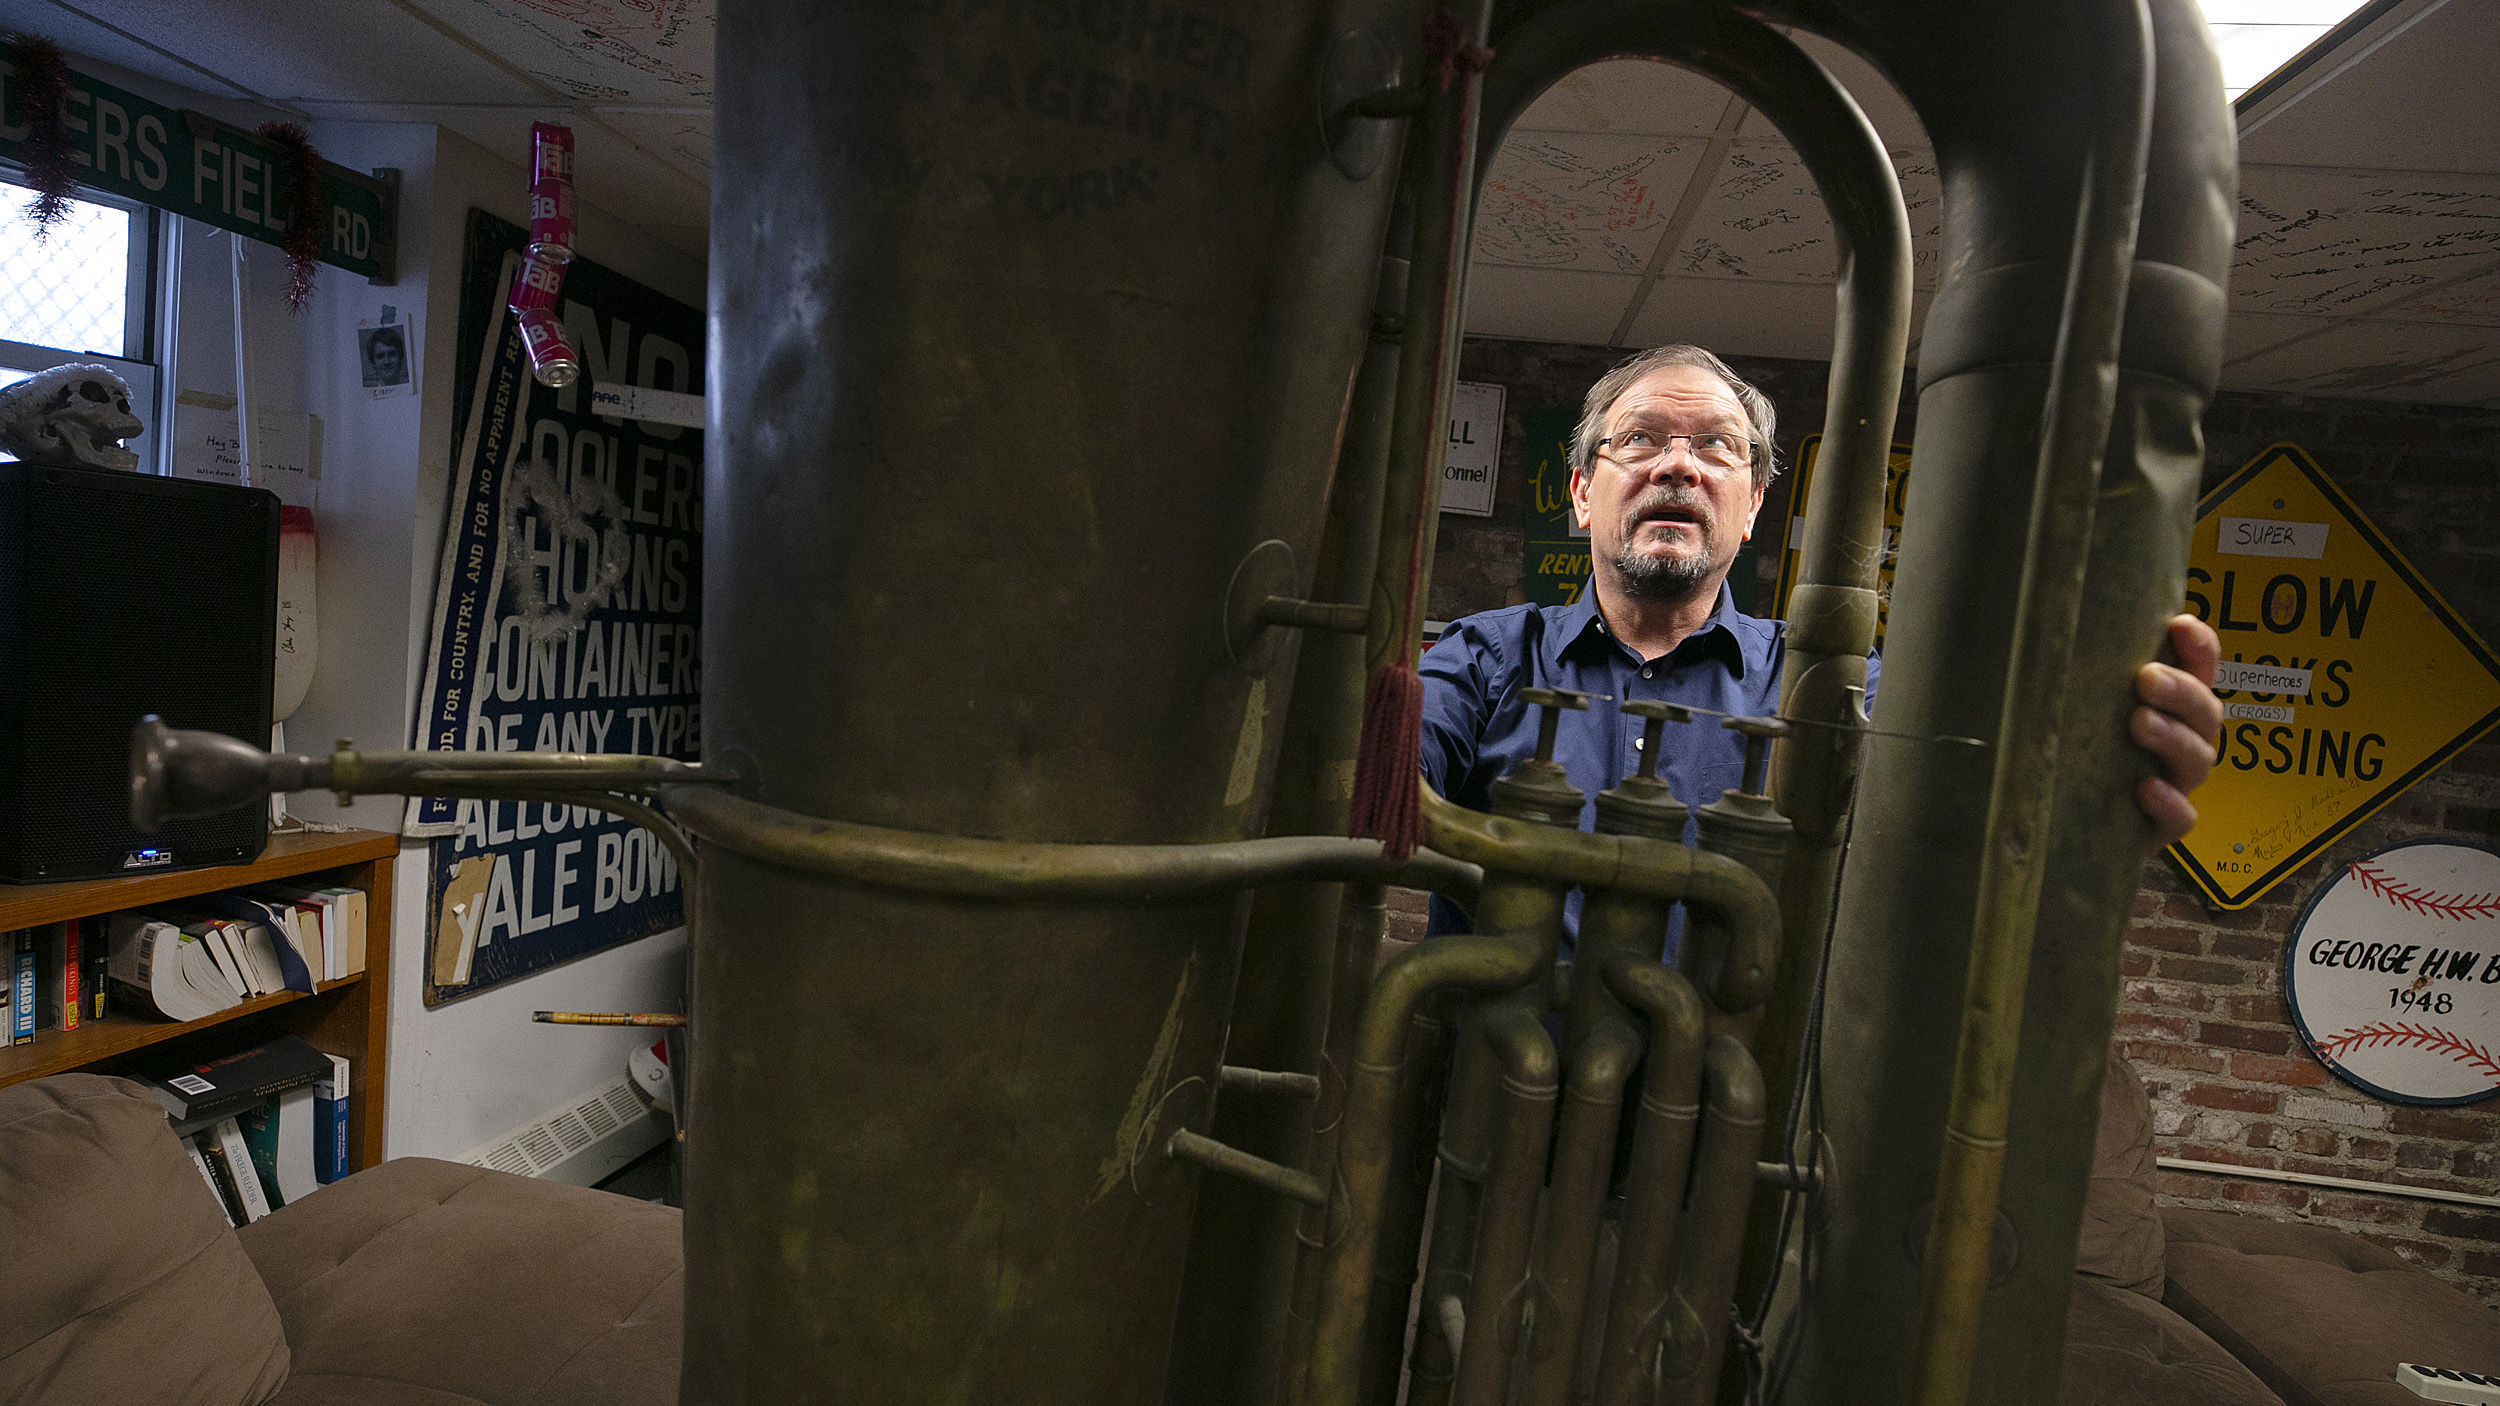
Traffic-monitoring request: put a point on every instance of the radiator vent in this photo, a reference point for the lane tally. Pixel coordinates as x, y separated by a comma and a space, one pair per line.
580, 1143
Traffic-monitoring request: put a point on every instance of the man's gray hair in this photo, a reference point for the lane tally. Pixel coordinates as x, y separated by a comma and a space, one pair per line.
1610, 388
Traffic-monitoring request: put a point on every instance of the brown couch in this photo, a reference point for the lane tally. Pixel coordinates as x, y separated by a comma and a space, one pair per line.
2191, 1307
415, 1283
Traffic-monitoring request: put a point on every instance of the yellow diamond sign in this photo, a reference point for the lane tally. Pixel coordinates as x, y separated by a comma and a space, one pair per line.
2345, 678
1800, 491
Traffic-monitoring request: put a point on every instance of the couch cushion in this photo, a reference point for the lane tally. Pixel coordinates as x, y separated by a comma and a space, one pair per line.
2124, 1347
122, 1280
2322, 1316
2122, 1236
425, 1283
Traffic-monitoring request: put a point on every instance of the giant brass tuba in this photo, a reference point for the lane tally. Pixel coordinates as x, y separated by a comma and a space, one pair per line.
1078, 366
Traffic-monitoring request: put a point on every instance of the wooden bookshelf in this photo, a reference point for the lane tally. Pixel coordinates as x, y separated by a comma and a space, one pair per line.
348, 1017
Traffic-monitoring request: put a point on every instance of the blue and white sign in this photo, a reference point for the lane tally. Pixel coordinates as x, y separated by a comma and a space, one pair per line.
566, 617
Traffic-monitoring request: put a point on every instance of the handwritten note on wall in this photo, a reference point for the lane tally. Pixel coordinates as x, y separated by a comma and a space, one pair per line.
286, 447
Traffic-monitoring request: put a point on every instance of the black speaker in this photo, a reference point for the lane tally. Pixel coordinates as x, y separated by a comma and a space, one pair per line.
123, 594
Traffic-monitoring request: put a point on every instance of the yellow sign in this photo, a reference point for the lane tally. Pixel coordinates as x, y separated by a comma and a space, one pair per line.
2345, 677
1896, 483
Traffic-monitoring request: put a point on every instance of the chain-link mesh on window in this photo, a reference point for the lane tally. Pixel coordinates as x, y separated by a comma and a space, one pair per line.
69, 289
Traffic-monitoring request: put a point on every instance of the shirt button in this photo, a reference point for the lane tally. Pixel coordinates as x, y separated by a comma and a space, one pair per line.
1645, 673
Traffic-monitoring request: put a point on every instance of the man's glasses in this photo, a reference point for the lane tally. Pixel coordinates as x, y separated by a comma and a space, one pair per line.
1638, 449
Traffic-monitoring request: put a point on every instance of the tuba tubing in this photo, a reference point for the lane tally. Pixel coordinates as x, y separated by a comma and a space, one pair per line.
2083, 387
1499, 1287
1662, 1147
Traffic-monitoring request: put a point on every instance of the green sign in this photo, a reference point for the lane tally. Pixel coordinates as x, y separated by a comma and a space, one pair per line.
205, 170
1554, 560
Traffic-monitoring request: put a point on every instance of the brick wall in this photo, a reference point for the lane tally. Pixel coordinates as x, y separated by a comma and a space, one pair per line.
2201, 1013
2202, 1010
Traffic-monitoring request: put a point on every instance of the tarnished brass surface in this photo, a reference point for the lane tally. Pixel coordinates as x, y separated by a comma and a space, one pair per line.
1007, 869
1662, 1145
2001, 91
1037, 332
1026, 332
2049, 600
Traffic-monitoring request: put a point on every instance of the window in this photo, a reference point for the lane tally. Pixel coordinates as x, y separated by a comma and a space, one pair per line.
85, 292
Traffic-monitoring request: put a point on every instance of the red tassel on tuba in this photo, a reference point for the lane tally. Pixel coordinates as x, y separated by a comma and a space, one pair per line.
1388, 766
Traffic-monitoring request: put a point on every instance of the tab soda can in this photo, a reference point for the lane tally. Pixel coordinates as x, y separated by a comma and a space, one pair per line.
536, 286
551, 357
551, 192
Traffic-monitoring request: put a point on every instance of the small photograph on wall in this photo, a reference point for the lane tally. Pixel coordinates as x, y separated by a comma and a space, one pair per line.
386, 354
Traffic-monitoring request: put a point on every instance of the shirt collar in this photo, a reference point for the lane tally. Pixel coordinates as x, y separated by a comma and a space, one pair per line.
1578, 625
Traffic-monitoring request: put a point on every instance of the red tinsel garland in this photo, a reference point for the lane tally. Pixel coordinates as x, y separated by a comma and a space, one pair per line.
43, 107
304, 212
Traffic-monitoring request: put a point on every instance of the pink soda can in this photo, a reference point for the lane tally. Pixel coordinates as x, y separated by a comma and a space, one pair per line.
551, 192
535, 288
551, 357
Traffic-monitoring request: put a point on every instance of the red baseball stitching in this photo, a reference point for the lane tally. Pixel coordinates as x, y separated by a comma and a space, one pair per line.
2426, 901
2456, 1047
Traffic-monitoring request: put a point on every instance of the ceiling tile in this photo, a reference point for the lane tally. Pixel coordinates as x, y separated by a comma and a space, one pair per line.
1596, 202
2474, 300
1628, 95
608, 173
1764, 218
2423, 101
88, 43
1546, 305
596, 51
283, 50
1739, 317
2381, 361
2245, 334
2332, 242
682, 140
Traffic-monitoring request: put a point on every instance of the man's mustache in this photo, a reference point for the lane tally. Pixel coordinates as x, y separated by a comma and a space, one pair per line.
1659, 500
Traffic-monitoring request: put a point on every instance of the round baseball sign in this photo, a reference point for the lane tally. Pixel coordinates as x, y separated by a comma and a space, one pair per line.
2393, 972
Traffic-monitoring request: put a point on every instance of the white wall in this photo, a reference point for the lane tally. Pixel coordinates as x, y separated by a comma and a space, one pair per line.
470, 1070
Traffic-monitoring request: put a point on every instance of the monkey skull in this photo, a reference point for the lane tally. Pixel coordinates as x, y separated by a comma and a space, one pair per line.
70, 417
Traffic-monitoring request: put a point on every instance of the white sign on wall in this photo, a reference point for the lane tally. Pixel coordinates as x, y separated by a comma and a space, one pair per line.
1475, 455
2393, 973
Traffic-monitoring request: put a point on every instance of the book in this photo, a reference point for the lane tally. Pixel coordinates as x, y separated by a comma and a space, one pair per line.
99, 970
303, 933
280, 1134
56, 976
48, 977
199, 1160
212, 939
72, 970
313, 927
225, 1148
164, 970
342, 923
22, 987
232, 1082
331, 1159
268, 962
260, 1137
220, 1176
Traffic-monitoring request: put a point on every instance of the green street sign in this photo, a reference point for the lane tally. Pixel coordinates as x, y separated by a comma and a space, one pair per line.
198, 167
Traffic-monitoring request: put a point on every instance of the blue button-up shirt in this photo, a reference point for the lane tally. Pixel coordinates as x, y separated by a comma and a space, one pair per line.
1476, 726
